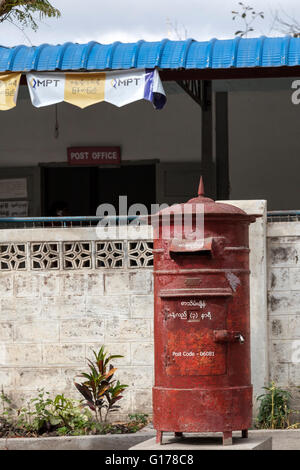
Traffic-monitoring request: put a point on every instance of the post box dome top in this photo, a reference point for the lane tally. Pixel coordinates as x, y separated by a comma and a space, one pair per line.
208, 206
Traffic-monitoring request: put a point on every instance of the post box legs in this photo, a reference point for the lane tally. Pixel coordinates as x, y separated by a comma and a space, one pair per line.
159, 436
227, 438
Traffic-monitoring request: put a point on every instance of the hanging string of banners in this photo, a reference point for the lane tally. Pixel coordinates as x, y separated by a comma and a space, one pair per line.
9, 87
85, 89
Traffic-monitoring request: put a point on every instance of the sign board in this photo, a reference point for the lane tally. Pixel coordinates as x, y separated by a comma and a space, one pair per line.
13, 208
13, 188
9, 87
119, 87
94, 155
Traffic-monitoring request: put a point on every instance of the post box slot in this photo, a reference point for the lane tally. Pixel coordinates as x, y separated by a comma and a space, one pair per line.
191, 247
192, 253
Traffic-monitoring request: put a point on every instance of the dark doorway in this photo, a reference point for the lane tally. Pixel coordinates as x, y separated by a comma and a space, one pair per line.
84, 188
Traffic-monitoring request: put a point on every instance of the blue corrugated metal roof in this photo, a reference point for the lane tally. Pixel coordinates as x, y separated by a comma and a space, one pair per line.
165, 54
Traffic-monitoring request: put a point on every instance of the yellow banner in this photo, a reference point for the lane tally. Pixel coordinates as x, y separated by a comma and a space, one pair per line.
9, 87
83, 89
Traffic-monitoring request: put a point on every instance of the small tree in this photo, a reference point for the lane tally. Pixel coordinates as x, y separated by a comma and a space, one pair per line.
22, 13
248, 15
99, 389
274, 410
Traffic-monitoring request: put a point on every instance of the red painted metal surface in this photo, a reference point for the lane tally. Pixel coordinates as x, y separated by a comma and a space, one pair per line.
202, 324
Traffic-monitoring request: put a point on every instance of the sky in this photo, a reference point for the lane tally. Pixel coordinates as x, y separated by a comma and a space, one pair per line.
131, 20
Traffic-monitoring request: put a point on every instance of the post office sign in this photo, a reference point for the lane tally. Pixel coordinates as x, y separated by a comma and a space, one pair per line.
94, 155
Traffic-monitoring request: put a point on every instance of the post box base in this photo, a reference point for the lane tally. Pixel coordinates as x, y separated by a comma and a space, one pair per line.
202, 410
227, 436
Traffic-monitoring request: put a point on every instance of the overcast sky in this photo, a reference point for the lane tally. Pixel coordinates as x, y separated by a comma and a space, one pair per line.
131, 20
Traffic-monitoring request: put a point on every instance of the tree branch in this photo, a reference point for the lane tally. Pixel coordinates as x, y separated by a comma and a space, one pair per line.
23, 11
21, 29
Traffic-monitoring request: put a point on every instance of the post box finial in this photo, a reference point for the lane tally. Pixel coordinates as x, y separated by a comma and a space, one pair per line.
201, 187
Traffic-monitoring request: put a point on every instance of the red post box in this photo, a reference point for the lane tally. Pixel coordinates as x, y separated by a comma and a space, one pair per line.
202, 324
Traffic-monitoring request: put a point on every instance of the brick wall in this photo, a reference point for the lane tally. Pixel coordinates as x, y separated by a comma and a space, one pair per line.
61, 296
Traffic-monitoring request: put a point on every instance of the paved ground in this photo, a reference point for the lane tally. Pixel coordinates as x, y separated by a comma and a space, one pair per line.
197, 443
281, 440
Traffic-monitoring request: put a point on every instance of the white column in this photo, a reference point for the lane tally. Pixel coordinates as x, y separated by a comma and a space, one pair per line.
258, 294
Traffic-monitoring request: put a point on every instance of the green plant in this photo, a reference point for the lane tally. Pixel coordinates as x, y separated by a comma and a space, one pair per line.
61, 414
248, 15
6, 414
100, 390
274, 410
23, 12
142, 418
137, 421
71, 414
6, 405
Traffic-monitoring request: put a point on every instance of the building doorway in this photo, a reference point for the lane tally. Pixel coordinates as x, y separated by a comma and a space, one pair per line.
83, 189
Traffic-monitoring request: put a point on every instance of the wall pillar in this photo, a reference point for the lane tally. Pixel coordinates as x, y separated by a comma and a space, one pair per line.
258, 294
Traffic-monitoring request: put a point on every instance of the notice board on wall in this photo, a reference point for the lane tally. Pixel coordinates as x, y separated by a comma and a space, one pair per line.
13, 208
13, 197
13, 188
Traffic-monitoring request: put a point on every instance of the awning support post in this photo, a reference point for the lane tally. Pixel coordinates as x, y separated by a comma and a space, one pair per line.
222, 148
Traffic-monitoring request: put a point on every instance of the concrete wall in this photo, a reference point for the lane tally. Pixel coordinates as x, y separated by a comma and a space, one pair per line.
58, 302
284, 306
264, 148
258, 295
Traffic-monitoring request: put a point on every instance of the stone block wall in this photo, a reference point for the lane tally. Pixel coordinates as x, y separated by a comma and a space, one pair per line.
64, 292
258, 295
284, 306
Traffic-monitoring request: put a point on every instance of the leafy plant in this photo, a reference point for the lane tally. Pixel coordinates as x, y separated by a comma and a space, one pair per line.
61, 414
23, 12
137, 421
113, 395
6, 404
6, 414
71, 414
274, 410
248, 15
100, 390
